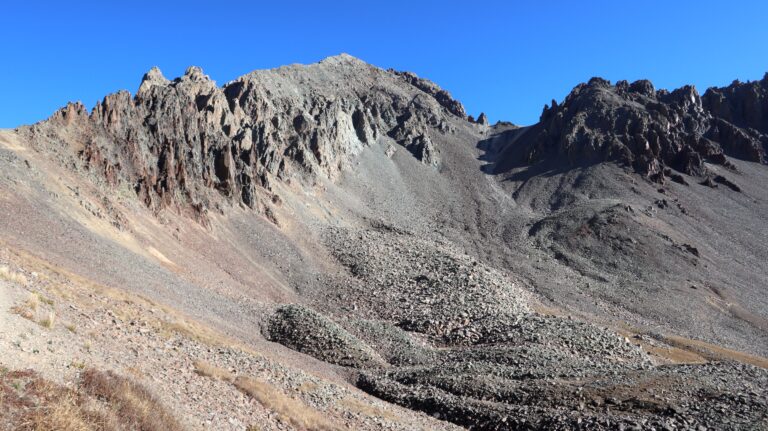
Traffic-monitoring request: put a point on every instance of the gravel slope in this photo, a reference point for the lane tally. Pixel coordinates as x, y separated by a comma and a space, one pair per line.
352, 224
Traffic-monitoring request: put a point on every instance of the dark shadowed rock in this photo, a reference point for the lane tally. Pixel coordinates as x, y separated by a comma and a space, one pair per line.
309, 332
637, 126
742, 104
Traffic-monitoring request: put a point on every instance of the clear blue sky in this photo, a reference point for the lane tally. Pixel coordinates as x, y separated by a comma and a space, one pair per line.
506, 58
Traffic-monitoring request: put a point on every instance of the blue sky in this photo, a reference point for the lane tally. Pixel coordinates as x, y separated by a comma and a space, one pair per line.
506, 58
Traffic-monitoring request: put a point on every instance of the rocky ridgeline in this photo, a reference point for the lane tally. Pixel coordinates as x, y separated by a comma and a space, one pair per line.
742, 104
176, 141
653, 131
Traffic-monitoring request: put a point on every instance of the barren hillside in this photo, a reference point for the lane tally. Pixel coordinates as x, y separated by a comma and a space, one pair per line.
338, 246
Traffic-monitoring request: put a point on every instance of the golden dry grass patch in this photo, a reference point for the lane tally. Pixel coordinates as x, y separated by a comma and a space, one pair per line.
134, 405
49, 321
206, 369
33, 302
100, 400
6, 273
290, 410
62, 414
714, 352
164, 261
664, 353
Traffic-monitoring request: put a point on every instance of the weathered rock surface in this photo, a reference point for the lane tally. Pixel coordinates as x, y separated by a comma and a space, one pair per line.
309, 332
488, 363
742, 104
484, 300
651, 131
175, 142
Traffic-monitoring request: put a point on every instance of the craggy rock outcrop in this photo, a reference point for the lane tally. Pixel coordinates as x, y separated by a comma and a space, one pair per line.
651, 131
429, 87
176, 142
742, 104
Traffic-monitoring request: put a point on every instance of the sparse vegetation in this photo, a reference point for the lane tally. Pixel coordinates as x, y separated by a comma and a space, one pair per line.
8, 274
131, 403
33, 302
23, 311
291, 410
49, 321
208, 370
47, 301
101, 401
29, 310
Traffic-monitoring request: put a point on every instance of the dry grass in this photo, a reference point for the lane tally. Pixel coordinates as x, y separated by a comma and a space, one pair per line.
33, 302
47, 301
688, 351
8, 274
23, 311
178, 324
29, 310
208, 370
290, 410
31, 403
133, 404
714, 352
63, 414
49, 321
101, 401
673, 354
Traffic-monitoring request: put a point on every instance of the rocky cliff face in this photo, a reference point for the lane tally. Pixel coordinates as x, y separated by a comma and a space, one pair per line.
653, 131
179, 142
742, 104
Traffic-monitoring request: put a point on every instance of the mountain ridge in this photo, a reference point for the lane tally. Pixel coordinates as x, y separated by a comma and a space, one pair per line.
237, 143
601, 269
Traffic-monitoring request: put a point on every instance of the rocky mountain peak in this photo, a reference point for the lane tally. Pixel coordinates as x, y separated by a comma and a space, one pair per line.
152, 78
195, 73
652, 131
189, 142
344, 59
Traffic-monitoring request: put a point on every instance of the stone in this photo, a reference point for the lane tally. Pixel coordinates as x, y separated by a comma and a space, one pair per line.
179, 142
650, 131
